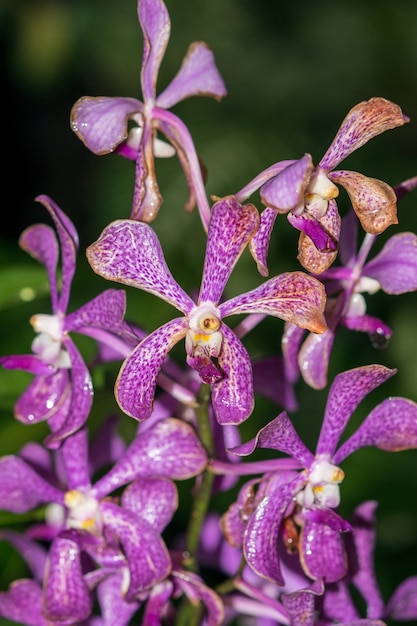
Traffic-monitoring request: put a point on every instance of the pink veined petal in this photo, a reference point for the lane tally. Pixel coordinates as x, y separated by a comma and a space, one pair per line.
136, 382
75, 456
102, 122
346, 392
23, 603
27, 363
198, 76
105, 311
403, 603
68, 239
315, 230
391, 426
152, 499
230, 229
81, 398
44, 397
232, 396
114, 609
290, 344
294, 297
395, 266
156, 603
156, 26
41, 243
259, 244
286, 190
129, 252
147, 556
66, 595
301, 607
363, 122
195, 589
314, 357
322, 552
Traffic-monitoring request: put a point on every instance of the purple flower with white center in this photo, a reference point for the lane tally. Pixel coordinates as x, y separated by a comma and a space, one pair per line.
102, 122
62, 391
307, 194
308, 500
129, 252
393, 270
124, 536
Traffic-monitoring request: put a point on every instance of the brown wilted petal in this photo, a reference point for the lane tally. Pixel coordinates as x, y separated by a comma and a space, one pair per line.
312, 259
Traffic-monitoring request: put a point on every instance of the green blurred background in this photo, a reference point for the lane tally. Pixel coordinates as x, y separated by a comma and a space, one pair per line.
292, 71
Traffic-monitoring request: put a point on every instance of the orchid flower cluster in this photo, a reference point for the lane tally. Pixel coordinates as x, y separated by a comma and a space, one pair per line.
120, 532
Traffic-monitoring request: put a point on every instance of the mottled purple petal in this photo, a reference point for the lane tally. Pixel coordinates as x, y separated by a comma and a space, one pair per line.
294, 297
45, 396
22, 603
110, 594
346, 392
259, 244
338, 605
280, 435
41, 243
286, 190
152, 499
198, 75
136, 382
197, 591
403, 604
156, 27
74, 453
27, 363
379, 333
232, 396
348, 243
156, 603
270, 381
231, 226
290, 344
363, 122
145, 551
322, 552
169, 449
105, 311
391, 426
66, 596
310, 257
395, 266
102, 123
129, 252
32, 552
321, 237
301, 604
314, 357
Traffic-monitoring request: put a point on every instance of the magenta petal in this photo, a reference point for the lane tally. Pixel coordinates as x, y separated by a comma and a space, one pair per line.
301, 604
345, 394
105, 311
43, 398
270, 381
156, 604
22, 489
319, 235
232, 396
66, 596
147, 556
197, 591
230, 229
136, 382
22, 603
395, 267
75, 458
41, 243
129, 252
403, 604
322, 552
391, 426
114, 609
152, 499
286, 190
27, 363
259, 244
101, 123
198, 75
156, 26
32, 552
314, 357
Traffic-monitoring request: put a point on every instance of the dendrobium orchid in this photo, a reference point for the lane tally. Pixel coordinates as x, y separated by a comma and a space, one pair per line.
102, 122
129, 252
305, 503
62, 391
307, 193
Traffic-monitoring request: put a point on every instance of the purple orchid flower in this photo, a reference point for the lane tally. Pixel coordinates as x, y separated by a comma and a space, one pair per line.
122, 538
102, 122
62, 391
303, 503
129, 252
307, 193
393, 270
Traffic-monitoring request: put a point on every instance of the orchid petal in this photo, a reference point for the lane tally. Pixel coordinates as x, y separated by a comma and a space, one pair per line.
145, 551
231, 226
270, 381
156, 603
314, 357
197, 591
66, 595
41, 243
136, 381
105, 311
129, 252
27, 363
403, 603
259, 244
322, 552
314, 230
373, 200
294, 297
286, 190
32, 552
346, 393
312, 259
290, 344
75, 455
156, 26
114, 609
348, 243
22, 603
379, 332
102, 122
363, 122
43, 398
301, 606
169, 449
391, 426
395, 266
198, 75
152, 499
232, 396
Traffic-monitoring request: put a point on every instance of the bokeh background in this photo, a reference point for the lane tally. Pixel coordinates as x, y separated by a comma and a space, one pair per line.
293, 71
